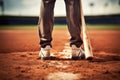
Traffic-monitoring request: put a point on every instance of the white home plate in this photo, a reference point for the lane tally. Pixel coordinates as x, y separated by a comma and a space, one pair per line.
58, 64
62, 76
66, 53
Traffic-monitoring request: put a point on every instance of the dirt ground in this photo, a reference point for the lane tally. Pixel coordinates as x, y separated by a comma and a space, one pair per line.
19, 57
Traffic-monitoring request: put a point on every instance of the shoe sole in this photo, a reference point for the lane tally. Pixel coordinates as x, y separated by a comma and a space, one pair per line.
75, 58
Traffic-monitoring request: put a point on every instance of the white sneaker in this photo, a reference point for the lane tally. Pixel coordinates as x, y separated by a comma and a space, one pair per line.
45, 52
77, 53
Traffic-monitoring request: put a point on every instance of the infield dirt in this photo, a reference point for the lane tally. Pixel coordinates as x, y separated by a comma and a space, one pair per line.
19, 57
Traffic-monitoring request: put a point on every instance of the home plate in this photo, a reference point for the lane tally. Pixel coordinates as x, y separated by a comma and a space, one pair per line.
66, 53
62, 76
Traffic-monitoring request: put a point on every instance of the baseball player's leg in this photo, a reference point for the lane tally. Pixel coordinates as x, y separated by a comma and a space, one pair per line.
74, 21
45, 26
74, 26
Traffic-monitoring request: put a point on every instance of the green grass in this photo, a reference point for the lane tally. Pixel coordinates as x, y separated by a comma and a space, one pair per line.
60, 27
104, 26
18, 27
34, 27
95, 26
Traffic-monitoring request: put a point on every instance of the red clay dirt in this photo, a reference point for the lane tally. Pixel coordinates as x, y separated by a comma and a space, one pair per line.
19, 57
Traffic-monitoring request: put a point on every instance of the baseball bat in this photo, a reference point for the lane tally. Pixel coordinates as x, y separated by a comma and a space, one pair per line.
86, 40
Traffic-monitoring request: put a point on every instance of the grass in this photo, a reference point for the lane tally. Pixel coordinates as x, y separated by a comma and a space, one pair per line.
34, 27
104, 26
18, 27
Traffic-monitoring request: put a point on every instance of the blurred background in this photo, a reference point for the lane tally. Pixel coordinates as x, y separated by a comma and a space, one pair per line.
27, 11
19, 19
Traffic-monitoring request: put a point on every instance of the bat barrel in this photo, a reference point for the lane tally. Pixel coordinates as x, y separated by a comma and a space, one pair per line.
86, 41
